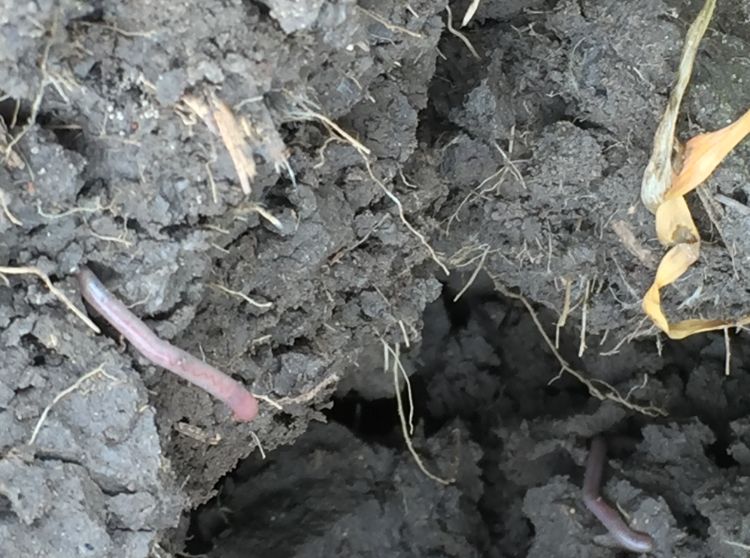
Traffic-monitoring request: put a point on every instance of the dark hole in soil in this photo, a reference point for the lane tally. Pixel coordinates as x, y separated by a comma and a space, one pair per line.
261, 8
719, 454
7, 110
68, 135
459, 311
71, 138
134, 225
696, 525
374, 420
174, 231
96, 15
91, 186
740, 196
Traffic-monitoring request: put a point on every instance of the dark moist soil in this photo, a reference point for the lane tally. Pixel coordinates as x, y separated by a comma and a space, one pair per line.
520, 168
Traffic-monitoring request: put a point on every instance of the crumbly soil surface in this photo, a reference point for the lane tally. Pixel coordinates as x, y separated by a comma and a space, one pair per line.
386, 152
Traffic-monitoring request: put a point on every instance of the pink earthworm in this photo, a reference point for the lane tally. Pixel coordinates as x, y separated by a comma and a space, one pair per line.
626, 537
162, 353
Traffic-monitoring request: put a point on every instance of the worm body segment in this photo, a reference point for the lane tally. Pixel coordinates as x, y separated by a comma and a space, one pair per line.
243, 404
626, 537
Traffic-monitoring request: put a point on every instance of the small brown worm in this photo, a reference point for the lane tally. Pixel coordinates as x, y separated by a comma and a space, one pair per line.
164, 354
626, 537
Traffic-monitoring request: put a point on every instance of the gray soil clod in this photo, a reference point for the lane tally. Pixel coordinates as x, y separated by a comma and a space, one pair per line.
526, 162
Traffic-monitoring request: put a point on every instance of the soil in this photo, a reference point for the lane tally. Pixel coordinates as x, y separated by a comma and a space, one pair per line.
517, 170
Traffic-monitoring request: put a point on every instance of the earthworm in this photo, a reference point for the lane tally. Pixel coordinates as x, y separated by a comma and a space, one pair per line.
626, 537
164, 354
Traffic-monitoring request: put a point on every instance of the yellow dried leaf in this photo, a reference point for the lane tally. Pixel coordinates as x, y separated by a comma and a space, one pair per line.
672, 266
677, 231
674, 223
705, 152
